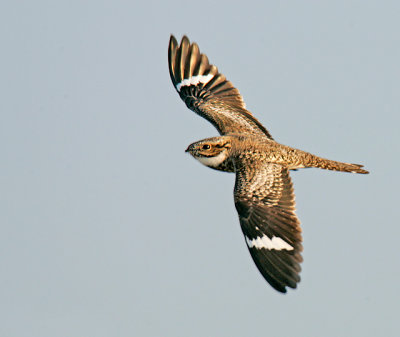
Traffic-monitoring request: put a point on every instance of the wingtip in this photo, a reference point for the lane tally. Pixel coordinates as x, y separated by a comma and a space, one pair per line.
172, 42
185, 40
282, 291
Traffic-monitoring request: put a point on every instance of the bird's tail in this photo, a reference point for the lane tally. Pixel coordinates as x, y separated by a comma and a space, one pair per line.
327, 164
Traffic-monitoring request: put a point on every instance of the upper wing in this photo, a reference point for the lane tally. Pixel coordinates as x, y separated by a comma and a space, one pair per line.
207, 92
265, 202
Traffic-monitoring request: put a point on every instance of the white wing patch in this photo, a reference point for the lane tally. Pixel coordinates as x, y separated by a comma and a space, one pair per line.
194, 80
267, 243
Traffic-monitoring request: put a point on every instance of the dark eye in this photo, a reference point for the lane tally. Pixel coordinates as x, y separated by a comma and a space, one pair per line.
206, 147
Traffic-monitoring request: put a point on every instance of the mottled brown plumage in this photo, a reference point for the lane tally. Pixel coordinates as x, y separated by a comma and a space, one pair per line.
263, 192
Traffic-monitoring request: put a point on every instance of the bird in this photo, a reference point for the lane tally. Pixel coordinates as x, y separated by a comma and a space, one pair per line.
263, 192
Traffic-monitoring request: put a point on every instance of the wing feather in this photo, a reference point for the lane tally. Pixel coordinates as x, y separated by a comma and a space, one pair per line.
207, 92
265, 203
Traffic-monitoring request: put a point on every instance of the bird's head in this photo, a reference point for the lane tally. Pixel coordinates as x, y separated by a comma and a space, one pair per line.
211, 151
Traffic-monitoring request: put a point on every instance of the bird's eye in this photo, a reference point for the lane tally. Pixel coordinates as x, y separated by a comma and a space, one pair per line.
206, 147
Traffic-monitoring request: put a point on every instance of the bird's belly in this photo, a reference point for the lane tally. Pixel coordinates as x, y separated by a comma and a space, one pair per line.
295, 167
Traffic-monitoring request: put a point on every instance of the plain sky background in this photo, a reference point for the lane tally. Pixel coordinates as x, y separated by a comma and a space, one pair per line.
107, 228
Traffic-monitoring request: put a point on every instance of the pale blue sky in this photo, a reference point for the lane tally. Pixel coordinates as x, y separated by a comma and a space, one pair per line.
107, 228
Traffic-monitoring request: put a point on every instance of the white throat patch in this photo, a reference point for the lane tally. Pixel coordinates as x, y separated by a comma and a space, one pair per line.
213, 161
267, 243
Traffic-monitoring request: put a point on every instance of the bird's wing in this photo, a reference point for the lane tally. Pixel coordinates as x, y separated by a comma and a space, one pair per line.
264, 200
207, 92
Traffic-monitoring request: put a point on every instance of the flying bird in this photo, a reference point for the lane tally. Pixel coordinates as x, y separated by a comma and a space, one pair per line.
263, 192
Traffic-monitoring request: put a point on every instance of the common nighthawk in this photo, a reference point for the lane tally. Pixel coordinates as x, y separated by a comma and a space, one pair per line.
263, 192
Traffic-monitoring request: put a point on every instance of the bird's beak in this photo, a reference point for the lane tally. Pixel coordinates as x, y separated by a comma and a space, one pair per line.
189, 148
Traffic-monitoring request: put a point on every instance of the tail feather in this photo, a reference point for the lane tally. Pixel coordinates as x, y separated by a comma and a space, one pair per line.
327, 164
